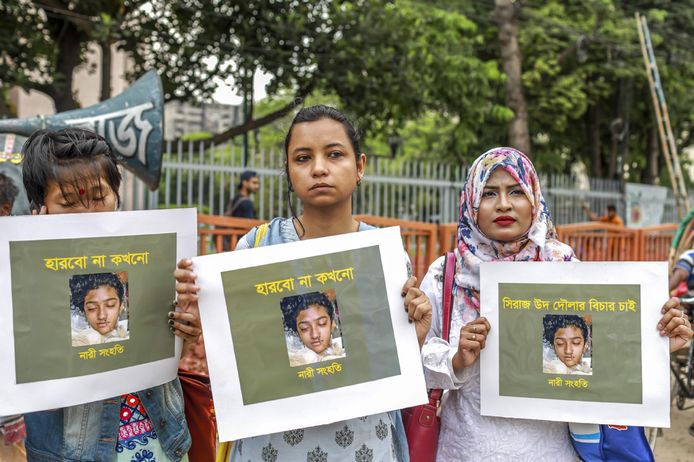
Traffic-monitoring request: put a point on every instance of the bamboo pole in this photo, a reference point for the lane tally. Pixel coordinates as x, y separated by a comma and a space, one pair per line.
667, 142
666, 115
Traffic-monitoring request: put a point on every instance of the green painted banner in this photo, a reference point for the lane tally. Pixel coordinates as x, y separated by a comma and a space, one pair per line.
54, 307
315, 324
570, 341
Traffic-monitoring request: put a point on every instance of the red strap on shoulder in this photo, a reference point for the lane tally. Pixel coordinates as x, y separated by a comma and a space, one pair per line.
448, 277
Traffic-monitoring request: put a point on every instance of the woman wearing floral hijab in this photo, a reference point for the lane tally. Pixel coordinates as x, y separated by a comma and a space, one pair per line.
503, 217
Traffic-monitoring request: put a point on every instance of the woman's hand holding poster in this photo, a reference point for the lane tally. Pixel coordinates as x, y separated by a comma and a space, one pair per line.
308, 333
575, 342
84, 300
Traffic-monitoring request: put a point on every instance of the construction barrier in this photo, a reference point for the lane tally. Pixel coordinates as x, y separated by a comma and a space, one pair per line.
219, 233
655, 242
419, 240
596, 241
424, 242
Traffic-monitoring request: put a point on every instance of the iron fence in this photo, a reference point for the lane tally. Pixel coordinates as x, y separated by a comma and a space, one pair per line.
417, 190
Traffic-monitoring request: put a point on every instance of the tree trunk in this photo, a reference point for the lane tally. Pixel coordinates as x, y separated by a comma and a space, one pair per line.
593, 126
511, 58
612, 162
68, 58
105, 70
650, 174
4, 109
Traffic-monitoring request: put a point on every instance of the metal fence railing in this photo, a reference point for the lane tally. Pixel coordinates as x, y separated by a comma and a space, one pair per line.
416, 190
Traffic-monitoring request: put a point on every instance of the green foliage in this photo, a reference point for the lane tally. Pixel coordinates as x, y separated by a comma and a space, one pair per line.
428, 73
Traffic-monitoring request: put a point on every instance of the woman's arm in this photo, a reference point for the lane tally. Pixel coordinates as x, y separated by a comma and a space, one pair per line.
437, 354
186, 323
418, 308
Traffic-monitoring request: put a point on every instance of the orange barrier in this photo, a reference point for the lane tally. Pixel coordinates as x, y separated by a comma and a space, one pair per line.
448, 237
595, 241
592, 241
655, 242
224, 232
419, 240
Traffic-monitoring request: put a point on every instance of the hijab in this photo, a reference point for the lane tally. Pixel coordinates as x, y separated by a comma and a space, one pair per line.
538, 244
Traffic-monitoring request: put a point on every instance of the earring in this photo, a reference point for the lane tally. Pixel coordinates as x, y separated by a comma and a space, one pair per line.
359, 182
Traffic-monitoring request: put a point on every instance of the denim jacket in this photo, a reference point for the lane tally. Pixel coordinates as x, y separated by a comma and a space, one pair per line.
89, 432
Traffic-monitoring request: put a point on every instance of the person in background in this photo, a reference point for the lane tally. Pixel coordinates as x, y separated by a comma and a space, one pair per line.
610, 217
241, 204
8, 193
683, 271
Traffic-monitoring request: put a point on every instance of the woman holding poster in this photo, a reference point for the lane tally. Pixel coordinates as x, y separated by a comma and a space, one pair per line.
503, 217
324, 166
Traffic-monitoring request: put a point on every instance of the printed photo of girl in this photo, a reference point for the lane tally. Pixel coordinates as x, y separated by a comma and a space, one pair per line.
99, 308
312, 328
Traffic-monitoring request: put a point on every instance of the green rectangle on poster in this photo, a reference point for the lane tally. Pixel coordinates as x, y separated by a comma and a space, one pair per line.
260, 338
614, 347
41, 303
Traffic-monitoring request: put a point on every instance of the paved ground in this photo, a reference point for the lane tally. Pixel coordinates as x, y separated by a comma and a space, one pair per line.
676, 444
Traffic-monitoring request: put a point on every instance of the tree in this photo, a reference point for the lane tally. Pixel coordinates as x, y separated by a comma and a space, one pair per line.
387, 62
511, 60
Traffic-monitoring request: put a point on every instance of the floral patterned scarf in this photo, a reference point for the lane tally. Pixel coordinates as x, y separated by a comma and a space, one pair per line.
538, 244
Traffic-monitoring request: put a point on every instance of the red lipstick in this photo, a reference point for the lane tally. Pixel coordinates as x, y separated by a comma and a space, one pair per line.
504, 220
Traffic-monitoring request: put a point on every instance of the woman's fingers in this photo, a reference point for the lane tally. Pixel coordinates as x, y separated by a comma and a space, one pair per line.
471, 339
673, 323
186, 288
185, 263
478, 326
673, 317
419, 308
415, 299
409, 284
185, 324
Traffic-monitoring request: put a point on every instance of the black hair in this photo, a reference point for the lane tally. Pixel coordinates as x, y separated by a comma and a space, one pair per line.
81, 284
245, 176
295, 304
8, 190
553, 322
70, 157
313, 114
612, 207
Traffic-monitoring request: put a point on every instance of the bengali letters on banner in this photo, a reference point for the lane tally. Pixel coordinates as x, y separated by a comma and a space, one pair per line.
83, 261
564, 305
279, 286
91, 353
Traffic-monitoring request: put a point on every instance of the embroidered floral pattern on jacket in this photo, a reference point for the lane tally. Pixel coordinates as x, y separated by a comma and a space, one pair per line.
135, 426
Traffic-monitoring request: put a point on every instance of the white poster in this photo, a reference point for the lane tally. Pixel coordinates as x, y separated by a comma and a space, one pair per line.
289, 328
84, 300
645, 204
575, 342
